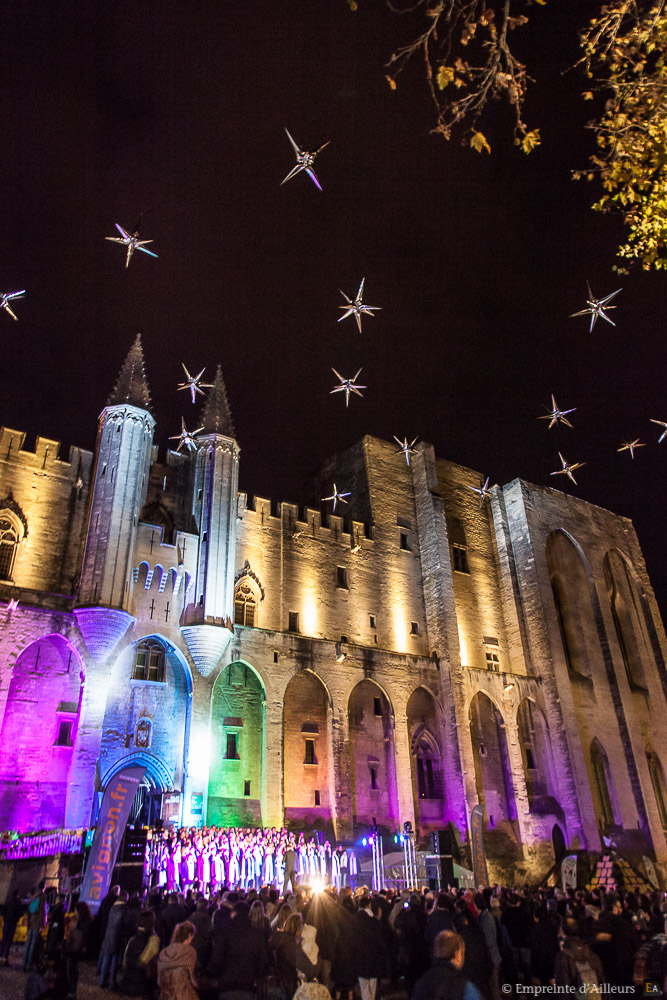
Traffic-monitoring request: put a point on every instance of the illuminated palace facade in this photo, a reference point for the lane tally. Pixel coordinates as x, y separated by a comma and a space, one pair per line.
269, 664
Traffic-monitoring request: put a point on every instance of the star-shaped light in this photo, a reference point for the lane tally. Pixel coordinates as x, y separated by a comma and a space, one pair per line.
132, 242
631, 445
555, 416
567, 469
484, 491
356, 308
193, 384
406, 449
336, 496
304, 161
6, 298
660, 423
186, 437
597, 307
347, 385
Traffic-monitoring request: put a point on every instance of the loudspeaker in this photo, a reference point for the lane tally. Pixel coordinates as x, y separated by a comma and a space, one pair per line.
134, 846
445, 851
129, 870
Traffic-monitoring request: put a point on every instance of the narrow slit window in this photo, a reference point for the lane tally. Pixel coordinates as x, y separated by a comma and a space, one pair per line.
232, 750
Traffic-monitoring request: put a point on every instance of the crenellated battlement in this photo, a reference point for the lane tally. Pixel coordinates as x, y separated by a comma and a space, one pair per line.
304, 521
45, 455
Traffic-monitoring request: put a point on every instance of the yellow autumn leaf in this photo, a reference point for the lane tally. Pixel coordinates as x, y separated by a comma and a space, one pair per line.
479, 142
531, 140
445, 76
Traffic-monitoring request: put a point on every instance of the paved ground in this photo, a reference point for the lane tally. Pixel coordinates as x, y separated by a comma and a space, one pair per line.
13, 980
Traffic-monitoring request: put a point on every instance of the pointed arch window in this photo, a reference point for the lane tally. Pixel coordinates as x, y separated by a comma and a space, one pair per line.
659, 789
601, 778
427, 768
149, 657
11, 533
245, 604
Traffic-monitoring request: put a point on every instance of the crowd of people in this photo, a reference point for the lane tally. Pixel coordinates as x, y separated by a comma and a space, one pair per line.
262, 914
247, 858
254, 944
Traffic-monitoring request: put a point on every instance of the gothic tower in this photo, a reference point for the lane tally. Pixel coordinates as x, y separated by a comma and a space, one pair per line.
215, 487
120, 478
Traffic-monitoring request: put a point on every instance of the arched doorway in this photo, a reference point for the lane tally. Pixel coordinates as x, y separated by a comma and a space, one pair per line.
39, 735
306, 755
371, 725
238, 747
558, 843
493, 776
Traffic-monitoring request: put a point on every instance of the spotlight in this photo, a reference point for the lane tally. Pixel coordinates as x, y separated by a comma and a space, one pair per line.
317, 886
365, 841
407, 826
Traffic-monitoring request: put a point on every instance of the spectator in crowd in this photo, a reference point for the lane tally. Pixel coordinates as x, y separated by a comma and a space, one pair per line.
113, 945
445, 980
176, 965
12, 911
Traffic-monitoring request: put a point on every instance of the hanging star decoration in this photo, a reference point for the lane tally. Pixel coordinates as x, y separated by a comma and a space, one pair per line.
555, 416
186, 437
304, 161
406, 449
356, 308
484, 491
631, 445
6, 298
193, 383
348, 385
132, 242
663, 424
596, 307
336, 496
567, 469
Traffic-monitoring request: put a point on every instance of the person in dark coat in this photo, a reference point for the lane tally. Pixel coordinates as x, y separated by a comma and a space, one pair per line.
55, 928
245, 956
113, 945
170, 915
342, 965
370, 955
445, 980
76, 945
290, 869
100, 921
477, 966
12, 912
439, 919
139, 974
289, 956
615, 941
201, 942
410, 926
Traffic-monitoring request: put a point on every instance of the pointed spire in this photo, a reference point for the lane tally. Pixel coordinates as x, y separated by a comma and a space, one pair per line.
131, 386
216, 416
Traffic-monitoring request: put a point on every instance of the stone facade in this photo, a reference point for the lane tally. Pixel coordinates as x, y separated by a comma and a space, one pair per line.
273, 664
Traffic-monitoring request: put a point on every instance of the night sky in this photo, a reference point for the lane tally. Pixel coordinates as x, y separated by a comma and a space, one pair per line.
173, 113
